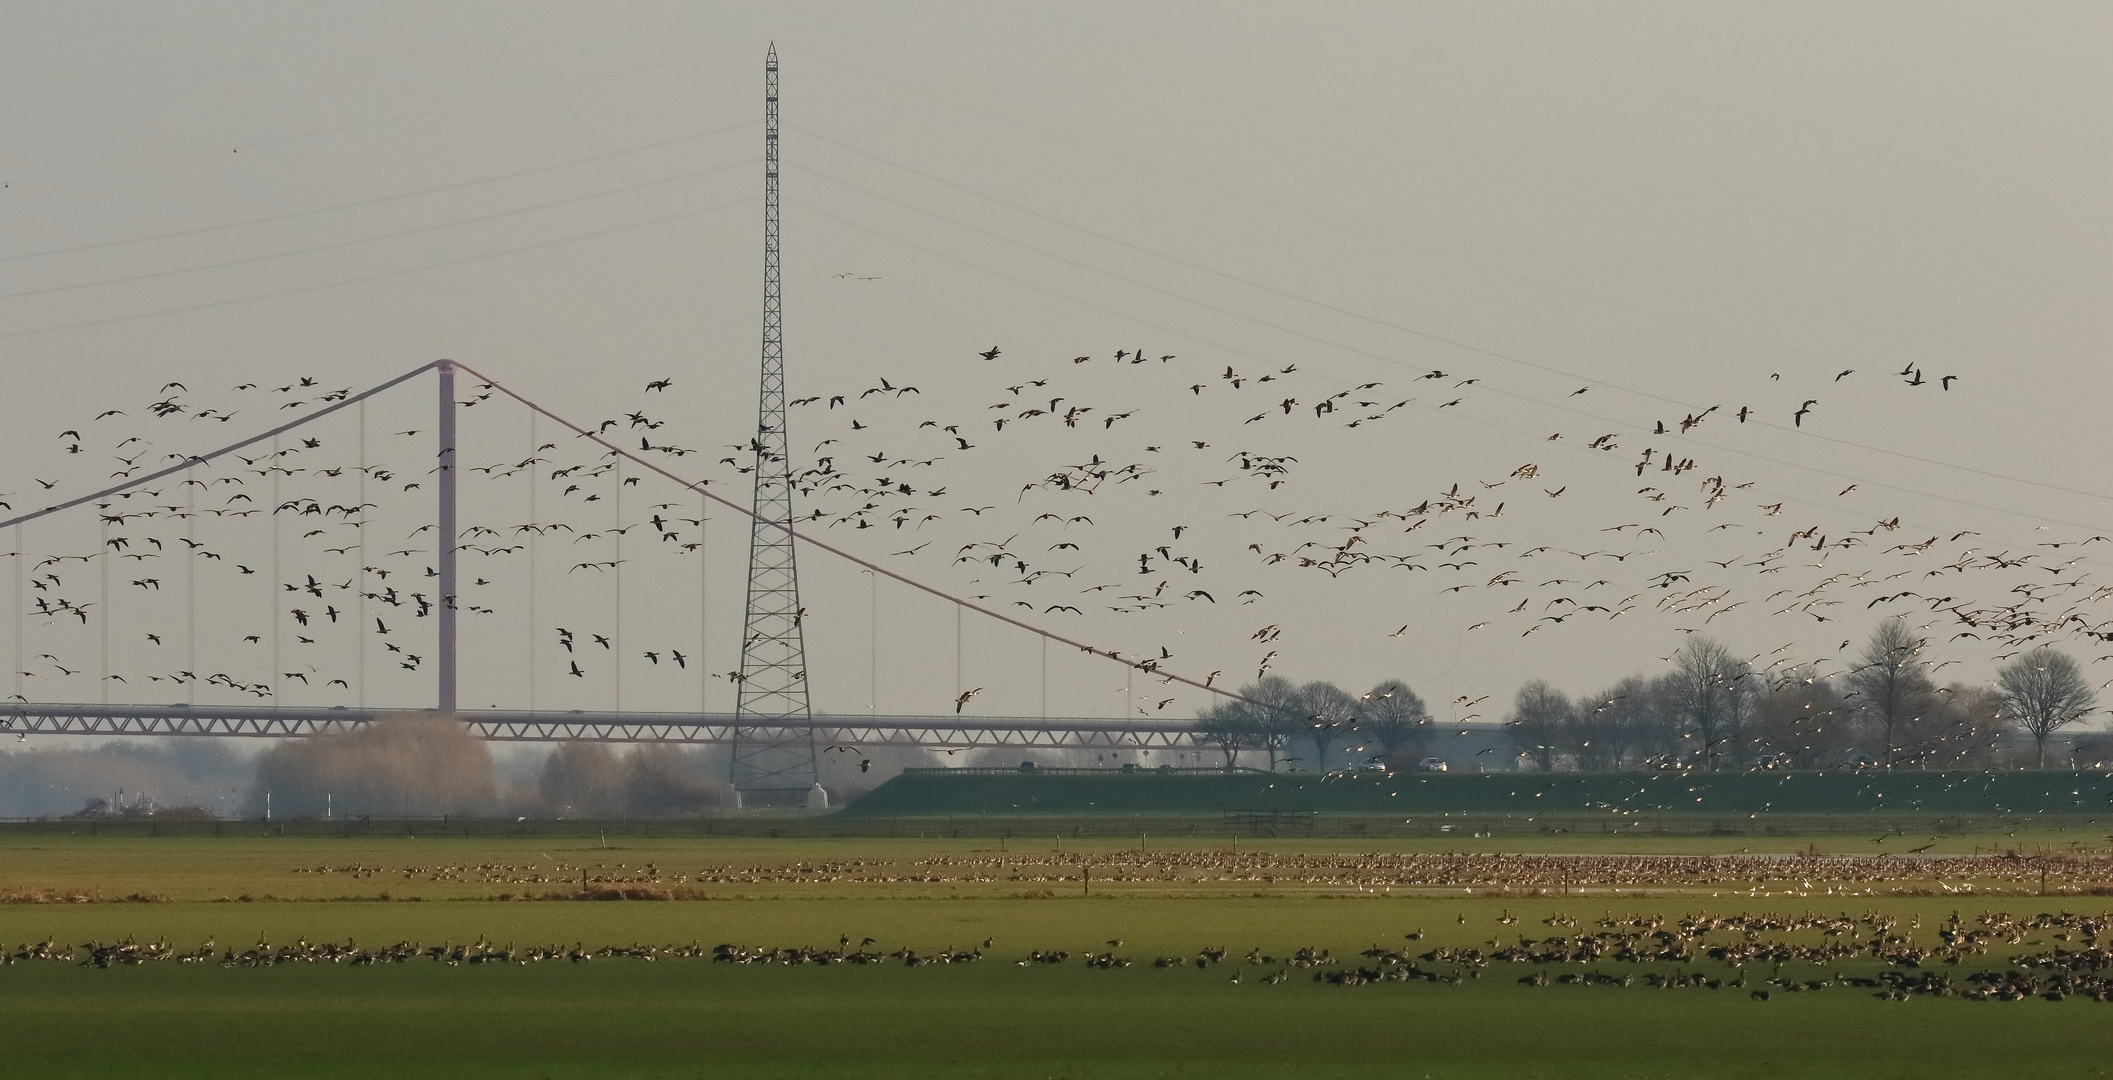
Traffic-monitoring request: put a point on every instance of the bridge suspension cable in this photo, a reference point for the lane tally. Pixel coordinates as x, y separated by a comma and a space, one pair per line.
1147, 666
443, 367
200, 459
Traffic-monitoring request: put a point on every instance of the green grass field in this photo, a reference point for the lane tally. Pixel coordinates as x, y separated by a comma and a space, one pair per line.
993, 1018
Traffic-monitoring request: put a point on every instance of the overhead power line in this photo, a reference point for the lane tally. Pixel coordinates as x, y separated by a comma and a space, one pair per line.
380, 199
1250, 354
1406, 245
364, 124
1436, 338
663, 219
494, 216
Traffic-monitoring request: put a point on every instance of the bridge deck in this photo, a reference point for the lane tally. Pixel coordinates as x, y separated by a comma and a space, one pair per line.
939, 732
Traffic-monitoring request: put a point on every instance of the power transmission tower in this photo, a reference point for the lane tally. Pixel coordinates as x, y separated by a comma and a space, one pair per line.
773, 765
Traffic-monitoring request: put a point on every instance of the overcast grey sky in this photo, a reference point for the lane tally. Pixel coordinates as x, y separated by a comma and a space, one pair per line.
1676, 205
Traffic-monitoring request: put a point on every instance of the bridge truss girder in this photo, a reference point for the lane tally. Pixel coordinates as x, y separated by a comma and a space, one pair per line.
929, 732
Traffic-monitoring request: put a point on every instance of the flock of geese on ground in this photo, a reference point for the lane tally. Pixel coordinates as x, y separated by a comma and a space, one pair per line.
1872, 952
1450, 870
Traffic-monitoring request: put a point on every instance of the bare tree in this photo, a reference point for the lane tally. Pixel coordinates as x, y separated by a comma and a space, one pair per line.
1329, 712
1964, 731
2044, 690
583, 780
591, 780
1891, 685
402, 765
1539, 717
1801, 720
1391, 717
1231, 726
1661, 731
1607, 726
2093, 752
1712, 690
661, 779
1267, 717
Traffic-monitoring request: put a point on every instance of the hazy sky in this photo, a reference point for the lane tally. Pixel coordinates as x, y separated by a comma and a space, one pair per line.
1677, 206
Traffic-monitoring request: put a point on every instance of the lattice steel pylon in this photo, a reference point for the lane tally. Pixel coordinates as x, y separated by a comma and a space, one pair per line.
772, 765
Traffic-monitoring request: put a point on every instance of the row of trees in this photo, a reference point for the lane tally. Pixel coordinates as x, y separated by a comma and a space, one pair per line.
1714, 711
1276, 716
590, 780
412, 766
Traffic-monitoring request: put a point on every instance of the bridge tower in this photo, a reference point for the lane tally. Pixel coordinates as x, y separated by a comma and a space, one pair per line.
773, 765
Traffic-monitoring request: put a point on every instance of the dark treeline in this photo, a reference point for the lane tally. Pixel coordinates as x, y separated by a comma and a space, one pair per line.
409, 765
1319, 725
406, 765
593, 780
416, 766
398, 766
1715, 711
1711, 711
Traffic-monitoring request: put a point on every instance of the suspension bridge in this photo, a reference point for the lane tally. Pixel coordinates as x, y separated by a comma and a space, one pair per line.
445, 607
773, 731
442, 543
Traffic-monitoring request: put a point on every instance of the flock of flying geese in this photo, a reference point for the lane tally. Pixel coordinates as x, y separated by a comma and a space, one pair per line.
1066, 470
